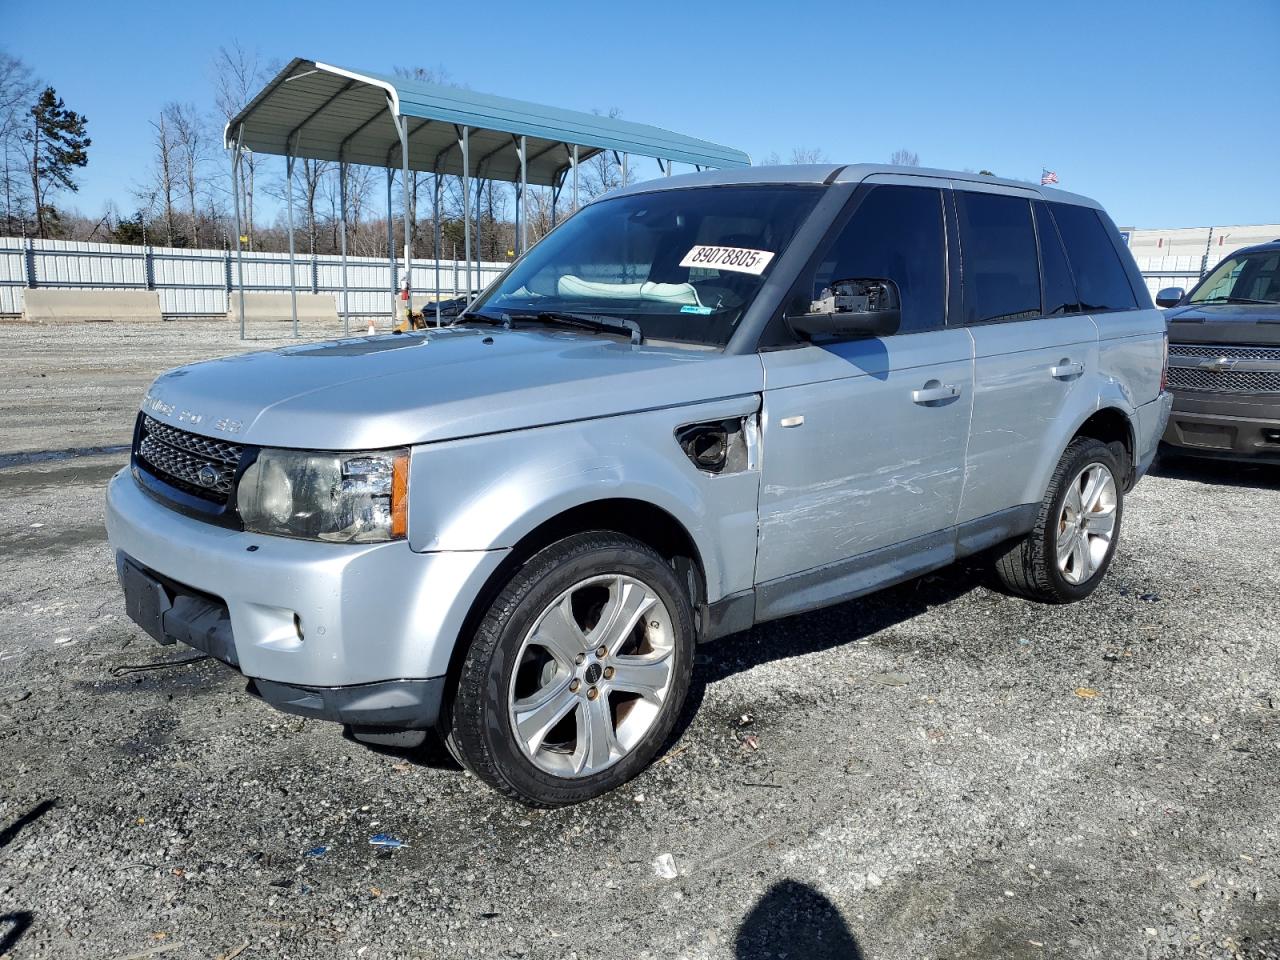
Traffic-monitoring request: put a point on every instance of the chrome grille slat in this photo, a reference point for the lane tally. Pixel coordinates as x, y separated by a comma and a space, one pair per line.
178, 458
1232, 351
193, 443
1224, 381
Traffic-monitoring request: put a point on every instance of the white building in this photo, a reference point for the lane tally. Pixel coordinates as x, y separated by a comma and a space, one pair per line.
1178, 256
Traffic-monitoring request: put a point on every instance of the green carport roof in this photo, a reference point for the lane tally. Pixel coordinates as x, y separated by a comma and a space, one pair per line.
319, 111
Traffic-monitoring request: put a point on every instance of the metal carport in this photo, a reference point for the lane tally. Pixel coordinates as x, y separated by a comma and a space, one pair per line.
322, 112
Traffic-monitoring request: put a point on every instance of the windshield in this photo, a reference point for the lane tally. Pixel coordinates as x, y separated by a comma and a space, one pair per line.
682, 264
1248, 278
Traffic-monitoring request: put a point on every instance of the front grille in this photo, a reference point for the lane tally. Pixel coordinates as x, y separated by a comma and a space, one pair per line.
1224, 381
1213, 351
197, 465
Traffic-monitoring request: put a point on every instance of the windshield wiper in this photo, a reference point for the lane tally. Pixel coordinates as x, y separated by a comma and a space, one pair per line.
592, 321
1233, 300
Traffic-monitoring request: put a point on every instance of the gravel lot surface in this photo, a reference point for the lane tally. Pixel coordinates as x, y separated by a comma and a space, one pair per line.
936, 771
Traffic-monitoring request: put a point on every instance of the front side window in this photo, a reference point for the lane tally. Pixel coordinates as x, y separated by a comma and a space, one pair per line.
896, 233
683, 264
998, 257
1100, 277
1246, 278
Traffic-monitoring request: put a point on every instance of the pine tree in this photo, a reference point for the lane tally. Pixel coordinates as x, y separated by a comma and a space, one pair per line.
57, 146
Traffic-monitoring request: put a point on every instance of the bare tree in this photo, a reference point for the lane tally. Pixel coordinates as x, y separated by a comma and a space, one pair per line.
603, 172
164, 177
904, 158
17, 91
191, 141
238, 74
807, 155
436, 75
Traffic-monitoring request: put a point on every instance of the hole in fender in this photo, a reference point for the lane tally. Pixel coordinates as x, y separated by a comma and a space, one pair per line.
718, 446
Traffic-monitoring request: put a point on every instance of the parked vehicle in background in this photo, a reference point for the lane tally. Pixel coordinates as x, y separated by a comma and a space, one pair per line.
700, 403
1224, 359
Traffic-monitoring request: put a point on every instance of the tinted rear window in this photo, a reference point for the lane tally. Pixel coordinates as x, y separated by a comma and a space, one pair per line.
998, 251
1100, 277
1059, 287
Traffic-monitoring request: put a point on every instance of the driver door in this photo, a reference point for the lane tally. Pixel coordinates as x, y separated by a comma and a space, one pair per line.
863, 441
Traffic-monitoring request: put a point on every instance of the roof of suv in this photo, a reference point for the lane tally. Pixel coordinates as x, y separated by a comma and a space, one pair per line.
828, 173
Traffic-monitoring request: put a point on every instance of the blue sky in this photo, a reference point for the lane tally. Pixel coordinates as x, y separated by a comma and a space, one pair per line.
1166, 112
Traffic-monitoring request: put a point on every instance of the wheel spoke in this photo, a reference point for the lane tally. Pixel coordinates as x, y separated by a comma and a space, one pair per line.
1066, 543
1094, 483
628, 602
1081, 559
646, 675
1073, 504
558, 632
536, 715
597, 740
1101, 523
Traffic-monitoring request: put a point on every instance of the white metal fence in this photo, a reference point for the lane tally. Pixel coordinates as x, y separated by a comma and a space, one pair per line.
200, 282
1161, 272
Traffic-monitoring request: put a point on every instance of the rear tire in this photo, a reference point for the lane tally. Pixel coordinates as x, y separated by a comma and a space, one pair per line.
576, 674
1068, 551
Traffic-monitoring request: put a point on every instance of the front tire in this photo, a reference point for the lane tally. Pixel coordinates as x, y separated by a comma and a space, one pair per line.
577, 672
1068, 551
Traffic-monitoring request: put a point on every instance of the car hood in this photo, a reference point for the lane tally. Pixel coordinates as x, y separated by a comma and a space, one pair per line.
401, 389
1236, 323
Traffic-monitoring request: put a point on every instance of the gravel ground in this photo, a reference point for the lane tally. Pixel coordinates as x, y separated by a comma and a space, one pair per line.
936, 771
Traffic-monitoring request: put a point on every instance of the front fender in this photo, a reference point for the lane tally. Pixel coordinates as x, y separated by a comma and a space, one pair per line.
486, 493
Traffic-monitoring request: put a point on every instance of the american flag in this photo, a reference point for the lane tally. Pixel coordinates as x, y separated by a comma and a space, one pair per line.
1047, 177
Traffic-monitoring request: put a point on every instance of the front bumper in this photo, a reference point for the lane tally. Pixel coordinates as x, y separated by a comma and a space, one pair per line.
299, 613
1225, 425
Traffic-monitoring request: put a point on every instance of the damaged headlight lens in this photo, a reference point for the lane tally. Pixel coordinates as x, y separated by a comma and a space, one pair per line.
339, 497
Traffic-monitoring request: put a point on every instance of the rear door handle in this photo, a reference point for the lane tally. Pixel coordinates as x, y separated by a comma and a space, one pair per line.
1066, 370
933, 391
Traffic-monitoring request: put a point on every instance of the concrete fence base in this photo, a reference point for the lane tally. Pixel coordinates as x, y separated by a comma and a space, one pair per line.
89, 306
258, 307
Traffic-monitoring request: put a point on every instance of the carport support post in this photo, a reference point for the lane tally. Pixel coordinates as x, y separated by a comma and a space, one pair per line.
435, 219
479, 225
235, 192
575, 177
391, 246
522, 209
293, 277
342, 202
402, 128
466, 212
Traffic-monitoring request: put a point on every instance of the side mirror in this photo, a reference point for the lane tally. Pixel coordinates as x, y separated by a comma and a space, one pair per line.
1170, 296
857, 307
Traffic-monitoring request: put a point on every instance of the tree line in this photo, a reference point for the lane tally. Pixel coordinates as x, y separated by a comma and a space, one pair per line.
185, 196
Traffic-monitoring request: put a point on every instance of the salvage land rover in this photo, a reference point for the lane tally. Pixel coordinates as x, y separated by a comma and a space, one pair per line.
699, 404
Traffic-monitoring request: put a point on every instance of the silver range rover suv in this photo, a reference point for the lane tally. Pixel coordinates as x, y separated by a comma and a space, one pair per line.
699, 404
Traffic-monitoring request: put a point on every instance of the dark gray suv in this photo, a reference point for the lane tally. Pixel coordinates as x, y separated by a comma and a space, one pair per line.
1224, 359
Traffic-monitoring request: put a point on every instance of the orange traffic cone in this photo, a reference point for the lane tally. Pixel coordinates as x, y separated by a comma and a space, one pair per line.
372, 328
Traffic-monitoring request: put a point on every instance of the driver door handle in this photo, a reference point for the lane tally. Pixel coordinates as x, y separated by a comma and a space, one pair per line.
934, 391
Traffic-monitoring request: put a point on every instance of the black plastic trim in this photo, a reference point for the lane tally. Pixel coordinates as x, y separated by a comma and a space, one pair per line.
396, 704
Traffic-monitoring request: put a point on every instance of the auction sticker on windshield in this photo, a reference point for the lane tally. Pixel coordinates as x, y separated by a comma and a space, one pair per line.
736, 259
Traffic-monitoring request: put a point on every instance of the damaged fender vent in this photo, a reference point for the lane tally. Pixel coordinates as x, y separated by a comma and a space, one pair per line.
718, 446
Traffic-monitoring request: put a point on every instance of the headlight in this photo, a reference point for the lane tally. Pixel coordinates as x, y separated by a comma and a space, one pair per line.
341, 497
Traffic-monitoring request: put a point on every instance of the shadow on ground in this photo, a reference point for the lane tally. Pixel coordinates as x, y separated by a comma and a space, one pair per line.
794, 920
1231, 473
